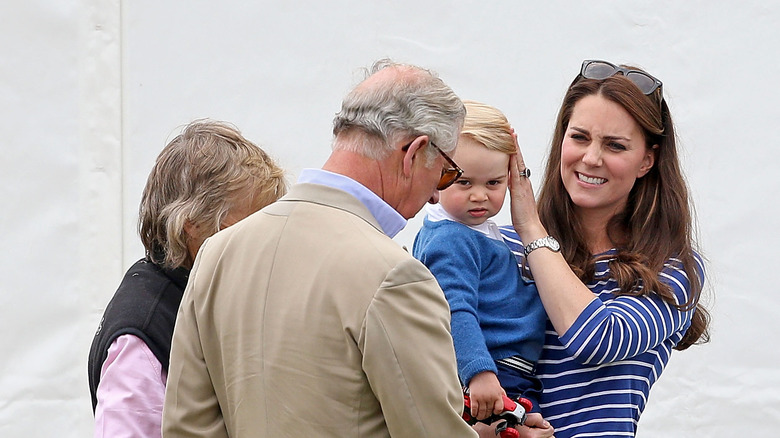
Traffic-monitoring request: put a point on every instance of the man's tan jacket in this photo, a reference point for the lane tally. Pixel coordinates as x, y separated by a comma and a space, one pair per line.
305, 320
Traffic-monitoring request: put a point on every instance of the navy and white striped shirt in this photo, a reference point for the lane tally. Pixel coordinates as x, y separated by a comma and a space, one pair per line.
597, 375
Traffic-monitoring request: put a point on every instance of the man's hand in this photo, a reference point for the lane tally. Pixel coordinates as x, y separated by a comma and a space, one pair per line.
486, 395
535, 427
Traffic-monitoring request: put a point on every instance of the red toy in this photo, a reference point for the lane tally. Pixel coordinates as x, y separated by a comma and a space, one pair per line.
513, 415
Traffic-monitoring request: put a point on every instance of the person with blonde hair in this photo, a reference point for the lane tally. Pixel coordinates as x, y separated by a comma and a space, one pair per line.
497, 317
206, 179
609, 244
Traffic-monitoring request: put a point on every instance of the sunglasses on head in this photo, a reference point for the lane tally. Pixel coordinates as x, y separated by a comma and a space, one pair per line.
594, 69
448, 174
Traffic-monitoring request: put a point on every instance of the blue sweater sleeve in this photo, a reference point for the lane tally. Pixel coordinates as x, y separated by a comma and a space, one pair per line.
453, 257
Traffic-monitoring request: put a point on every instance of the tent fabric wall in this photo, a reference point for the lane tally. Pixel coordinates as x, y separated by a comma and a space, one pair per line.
92, 91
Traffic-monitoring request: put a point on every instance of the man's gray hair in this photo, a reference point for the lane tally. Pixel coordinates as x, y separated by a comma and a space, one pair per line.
413, 105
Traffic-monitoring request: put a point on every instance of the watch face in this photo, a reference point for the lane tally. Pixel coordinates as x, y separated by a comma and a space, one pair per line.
554, 245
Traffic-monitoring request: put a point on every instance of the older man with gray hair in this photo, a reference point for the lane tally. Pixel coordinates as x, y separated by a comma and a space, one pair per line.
306, 319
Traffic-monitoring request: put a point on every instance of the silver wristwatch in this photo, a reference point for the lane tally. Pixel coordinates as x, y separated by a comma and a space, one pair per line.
548, 242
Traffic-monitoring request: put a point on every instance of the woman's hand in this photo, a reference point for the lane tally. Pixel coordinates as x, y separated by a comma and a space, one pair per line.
536, 427
525, 218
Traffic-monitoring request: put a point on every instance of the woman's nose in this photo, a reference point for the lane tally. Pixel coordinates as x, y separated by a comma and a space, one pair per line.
592, 156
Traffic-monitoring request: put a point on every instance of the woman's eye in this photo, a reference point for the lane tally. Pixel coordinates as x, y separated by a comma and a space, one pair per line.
578, 137
617, 146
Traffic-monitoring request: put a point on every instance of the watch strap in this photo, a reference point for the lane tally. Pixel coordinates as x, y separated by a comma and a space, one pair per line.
548, 242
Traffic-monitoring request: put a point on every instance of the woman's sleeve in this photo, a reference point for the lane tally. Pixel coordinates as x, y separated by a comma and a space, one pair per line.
626, 326
131, 391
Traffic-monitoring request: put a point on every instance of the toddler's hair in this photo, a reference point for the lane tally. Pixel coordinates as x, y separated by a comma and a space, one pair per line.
488, 126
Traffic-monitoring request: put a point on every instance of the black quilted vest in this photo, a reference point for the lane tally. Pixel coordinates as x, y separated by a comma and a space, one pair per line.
145, 305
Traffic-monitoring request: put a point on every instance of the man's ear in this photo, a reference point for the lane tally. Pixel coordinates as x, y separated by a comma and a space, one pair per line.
418, 144
648, 161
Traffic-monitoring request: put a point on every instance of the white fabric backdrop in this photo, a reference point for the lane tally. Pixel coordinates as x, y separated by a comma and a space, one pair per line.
92, 90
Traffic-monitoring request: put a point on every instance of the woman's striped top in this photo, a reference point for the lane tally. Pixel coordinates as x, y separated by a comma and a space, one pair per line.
597, 375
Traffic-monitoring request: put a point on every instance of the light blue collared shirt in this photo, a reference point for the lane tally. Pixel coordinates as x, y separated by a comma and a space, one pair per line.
390, 220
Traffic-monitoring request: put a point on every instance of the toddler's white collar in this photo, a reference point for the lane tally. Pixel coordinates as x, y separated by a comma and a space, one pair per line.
436, 213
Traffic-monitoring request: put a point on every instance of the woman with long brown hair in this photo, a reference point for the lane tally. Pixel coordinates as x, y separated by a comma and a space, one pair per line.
609, 244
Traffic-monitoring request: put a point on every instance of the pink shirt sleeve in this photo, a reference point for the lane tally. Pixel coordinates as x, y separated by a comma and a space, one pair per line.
131, 391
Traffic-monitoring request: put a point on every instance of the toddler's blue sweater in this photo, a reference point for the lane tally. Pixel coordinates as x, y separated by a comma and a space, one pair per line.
495, 312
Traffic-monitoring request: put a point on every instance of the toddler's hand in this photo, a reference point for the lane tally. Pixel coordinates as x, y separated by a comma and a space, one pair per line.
486, 395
